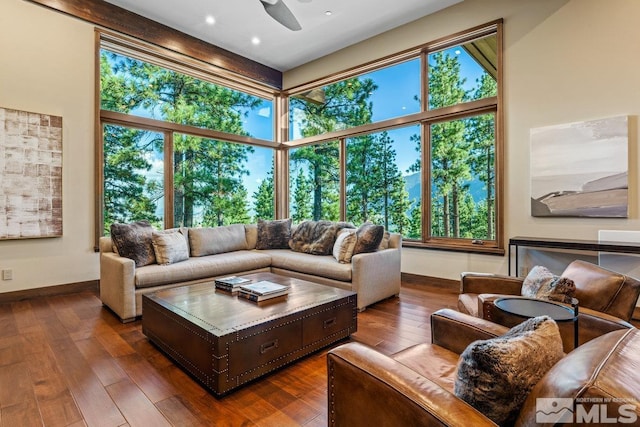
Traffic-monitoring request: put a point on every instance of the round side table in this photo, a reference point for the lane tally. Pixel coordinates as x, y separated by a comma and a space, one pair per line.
532, 307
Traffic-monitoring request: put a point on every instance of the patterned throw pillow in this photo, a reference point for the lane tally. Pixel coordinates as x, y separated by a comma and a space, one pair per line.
542, 284
495, 376
368, 238
274, 234
134, 241
343, 248
170, 246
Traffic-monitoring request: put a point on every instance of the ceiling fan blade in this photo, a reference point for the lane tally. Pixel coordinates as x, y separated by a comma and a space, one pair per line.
281, 13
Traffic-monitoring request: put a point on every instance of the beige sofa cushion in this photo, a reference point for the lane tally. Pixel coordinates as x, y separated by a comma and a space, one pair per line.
317, 265
200, 268
170, 246
217, 240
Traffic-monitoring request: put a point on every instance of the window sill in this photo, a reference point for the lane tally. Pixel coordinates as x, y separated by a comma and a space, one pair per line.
455, 247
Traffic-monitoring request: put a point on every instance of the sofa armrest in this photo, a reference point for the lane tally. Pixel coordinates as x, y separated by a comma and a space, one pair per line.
592, 324
483, 283
454, 331
375, 276
117, 285
367, 388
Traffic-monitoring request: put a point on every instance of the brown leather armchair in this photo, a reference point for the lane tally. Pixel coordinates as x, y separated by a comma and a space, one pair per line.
606, 299
415, 386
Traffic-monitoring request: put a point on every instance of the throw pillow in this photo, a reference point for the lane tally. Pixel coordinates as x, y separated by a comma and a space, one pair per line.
368, 238
316, 237
170, 246
274, 234
343, 248
496, 375
134, 241
542, 284
384, 243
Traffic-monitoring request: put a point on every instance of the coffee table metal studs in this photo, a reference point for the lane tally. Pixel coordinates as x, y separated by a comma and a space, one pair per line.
225, 342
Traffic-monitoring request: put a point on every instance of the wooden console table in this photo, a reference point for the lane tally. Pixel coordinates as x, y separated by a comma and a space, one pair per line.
569, 244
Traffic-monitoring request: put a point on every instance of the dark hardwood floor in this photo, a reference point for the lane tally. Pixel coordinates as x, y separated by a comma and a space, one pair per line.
67, 361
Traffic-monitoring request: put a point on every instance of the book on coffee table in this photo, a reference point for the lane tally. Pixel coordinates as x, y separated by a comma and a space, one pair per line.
262, 290
231, 283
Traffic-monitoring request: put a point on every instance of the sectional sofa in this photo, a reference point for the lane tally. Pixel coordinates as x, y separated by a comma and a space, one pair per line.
231, 250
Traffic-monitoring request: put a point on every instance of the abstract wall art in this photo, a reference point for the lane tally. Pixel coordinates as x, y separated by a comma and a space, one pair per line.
30, 175
580, 169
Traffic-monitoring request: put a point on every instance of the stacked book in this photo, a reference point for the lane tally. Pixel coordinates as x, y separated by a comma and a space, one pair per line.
263, 290
231, 284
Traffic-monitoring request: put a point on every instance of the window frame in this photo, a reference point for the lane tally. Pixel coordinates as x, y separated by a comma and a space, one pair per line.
425, 118
207, 71
182, 64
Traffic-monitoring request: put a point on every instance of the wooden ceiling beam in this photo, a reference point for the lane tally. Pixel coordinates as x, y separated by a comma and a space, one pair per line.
117, 19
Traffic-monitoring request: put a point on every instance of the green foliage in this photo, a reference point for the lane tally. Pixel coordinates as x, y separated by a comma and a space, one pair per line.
263, 199
129, 194
346, 105
375, 186
302, 199
207, 173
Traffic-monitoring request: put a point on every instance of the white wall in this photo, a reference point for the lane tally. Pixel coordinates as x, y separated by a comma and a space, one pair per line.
46, 66
565, 61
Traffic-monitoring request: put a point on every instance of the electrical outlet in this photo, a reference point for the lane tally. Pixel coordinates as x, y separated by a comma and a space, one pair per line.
7, 274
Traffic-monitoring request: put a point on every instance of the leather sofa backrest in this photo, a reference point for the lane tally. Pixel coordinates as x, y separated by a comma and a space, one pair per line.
603, 371
603, 290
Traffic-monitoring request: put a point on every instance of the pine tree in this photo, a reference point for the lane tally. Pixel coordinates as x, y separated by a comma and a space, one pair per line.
129, 194
263, 199
395, 202
449, 149
363, 179
346, 105
481, 133
302, 198
207, 174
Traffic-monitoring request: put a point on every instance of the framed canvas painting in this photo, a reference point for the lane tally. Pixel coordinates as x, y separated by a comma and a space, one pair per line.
580, 169
30, 175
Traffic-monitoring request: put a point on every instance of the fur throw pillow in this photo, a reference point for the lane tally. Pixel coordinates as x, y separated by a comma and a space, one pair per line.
316, 237
368, 238
542, 284
496, 375
134, 241
274, 234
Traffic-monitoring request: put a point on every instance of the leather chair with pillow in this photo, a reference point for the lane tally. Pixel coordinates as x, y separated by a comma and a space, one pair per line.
606, 299
425, 384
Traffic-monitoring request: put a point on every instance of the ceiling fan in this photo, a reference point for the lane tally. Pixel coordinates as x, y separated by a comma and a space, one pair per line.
281, 13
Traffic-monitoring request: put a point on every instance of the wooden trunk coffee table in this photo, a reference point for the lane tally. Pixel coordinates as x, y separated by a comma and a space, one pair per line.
225, 341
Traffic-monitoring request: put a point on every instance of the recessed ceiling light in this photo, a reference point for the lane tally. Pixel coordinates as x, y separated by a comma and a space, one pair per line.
328, 13
210, 20
255, 41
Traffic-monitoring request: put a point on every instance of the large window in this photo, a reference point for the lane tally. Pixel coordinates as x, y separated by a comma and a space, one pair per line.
412, 141
383, 184
179, 150
133, 181
389, 92
417, 151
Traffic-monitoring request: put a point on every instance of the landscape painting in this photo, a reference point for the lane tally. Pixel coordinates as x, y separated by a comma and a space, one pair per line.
580, 169
30, 175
